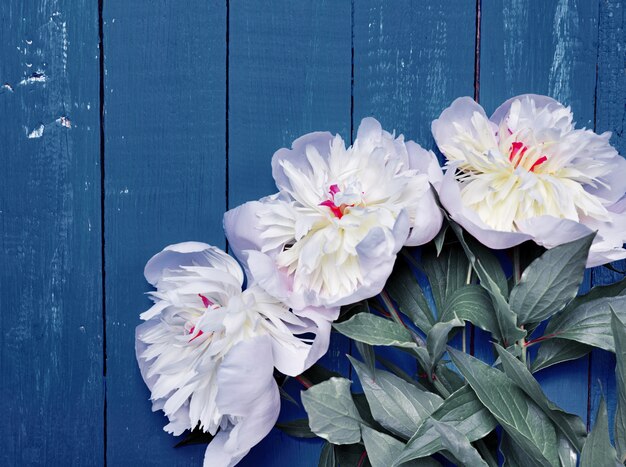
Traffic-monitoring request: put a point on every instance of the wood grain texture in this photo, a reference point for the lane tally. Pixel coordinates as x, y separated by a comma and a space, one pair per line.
543, 48
165, 101
289, 74
610, 116
51, 383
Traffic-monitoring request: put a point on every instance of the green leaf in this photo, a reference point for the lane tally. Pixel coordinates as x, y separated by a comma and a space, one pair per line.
462, 410
398, 406
589, 323
457, 444
489, 265
599, 291
571, 425
402, 286
551, 281
383, 449
598, 451
298, 428
367, 352
492, 278
434, 436
446, 273
619, 335
374, 330
327, 456
519, 416
555, 351
399, 372
441, 237
449, 378
514, 455
438, 339
567, 453
472, 303
332, 413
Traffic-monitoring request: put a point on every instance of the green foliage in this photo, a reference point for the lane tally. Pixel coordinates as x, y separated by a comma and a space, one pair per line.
550, 282
452, 409
332, 413
598, 451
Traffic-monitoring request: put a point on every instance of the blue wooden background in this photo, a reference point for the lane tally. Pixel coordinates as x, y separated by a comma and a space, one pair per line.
128, 125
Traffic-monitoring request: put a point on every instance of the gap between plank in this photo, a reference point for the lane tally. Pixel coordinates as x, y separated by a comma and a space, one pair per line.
102, 218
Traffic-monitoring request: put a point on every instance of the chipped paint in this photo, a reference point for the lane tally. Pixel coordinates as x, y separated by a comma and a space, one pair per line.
37, 131
36, 77
64, 121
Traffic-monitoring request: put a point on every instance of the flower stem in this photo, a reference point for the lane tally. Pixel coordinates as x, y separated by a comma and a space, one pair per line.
440, 388
517, 274
468, 281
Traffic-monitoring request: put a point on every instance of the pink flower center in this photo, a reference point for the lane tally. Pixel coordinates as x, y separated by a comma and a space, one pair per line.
338, 211
517, 152
207, 303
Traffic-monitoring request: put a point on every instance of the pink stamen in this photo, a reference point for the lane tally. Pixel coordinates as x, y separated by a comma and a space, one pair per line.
538, 162
207, 303
193, 328
333, 190
517, 148
336, 210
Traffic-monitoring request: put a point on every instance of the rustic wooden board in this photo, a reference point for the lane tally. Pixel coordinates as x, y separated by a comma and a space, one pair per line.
543, 48
51, 383
610, 116
165, 172
289, 74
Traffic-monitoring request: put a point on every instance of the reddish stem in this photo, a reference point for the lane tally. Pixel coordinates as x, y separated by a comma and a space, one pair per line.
541, 339
362, 459
304, 382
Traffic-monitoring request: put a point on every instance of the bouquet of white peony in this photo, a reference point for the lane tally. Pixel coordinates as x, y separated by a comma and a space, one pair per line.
342, 244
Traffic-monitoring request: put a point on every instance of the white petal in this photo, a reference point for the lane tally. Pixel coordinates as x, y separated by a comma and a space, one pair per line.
244, 375
539, 102
464, 118
424, 162
428, 220
190, 254
549, 231
450, 196
293, 360
297, 156
230, 446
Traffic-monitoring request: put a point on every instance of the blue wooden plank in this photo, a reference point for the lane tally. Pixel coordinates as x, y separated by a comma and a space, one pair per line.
409, 64
289, 74
610, 116
543, 48
51, 388
165, 103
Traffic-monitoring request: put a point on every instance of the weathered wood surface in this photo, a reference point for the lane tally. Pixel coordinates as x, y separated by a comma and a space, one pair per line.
196, 99
51, 347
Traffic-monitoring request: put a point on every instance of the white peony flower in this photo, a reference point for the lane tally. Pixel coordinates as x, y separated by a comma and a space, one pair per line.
207, 350
527, 173
330, 235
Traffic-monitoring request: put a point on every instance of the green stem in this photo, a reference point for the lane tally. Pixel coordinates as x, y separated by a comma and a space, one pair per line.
440, 388
517, 274
468, 281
